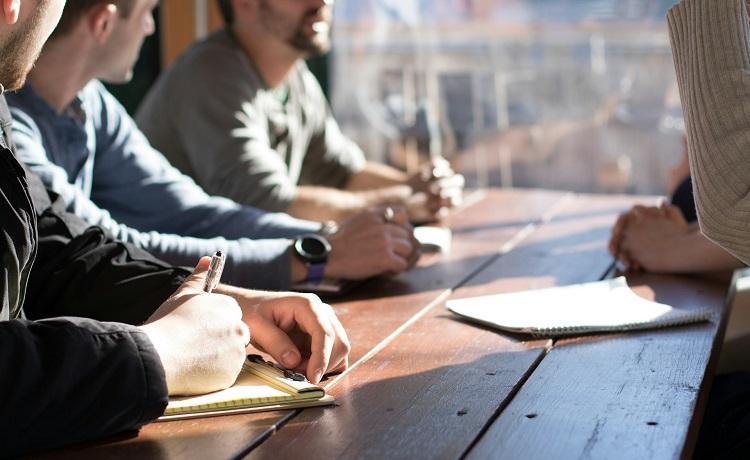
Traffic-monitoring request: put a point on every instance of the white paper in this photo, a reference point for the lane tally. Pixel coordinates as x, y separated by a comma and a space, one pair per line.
599, 306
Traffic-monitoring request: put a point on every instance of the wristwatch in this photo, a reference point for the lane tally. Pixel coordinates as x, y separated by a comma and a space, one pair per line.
313, 250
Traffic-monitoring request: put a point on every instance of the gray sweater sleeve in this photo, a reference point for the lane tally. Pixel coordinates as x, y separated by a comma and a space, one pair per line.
710, 48
258, 264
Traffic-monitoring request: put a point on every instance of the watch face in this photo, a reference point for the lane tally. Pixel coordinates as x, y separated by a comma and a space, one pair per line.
312, 248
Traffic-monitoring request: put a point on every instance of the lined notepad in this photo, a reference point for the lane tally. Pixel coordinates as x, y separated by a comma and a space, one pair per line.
260, 387
601, 306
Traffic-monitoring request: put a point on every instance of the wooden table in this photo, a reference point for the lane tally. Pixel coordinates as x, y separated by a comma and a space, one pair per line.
423, 384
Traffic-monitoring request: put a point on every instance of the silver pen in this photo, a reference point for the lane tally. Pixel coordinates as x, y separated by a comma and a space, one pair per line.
214, 271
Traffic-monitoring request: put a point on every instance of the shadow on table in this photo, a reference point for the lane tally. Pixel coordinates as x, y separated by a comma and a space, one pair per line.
221, 436
404, 411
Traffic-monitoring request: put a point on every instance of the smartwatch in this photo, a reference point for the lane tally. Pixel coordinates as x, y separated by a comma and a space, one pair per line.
313, 250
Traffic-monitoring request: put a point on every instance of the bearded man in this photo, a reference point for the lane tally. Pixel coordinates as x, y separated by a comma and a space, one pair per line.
241, 113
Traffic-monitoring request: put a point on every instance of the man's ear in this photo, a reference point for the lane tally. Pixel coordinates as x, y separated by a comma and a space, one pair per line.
101, 21
11, 10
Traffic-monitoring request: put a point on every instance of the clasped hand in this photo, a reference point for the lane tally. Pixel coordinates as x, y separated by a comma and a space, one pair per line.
436, 188
645, 237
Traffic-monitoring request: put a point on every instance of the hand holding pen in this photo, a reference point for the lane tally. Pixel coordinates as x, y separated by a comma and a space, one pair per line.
200, 337
297, 330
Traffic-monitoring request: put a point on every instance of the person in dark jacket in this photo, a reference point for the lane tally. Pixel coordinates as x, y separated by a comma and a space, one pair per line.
94, 333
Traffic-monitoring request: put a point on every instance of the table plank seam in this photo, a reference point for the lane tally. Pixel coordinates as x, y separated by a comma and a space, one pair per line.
511, 244
523, 234
391, 337
503, 404
258, 440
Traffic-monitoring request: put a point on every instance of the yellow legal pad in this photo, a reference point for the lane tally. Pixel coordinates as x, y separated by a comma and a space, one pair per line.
261, 386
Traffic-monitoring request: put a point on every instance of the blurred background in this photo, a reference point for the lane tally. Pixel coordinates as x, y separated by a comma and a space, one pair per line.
561, 94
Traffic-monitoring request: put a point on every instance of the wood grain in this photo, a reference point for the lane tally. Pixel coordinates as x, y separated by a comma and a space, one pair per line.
371, 314
431, 392
634, 395
427, 385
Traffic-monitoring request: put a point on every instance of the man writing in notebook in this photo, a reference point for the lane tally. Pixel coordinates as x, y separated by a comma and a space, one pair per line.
85, 147
75, 365
280, 149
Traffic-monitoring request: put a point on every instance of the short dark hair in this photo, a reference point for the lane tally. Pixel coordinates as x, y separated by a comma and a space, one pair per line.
76, 9
225, 7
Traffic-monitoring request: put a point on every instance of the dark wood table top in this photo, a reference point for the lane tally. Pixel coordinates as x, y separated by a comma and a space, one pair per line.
423, 384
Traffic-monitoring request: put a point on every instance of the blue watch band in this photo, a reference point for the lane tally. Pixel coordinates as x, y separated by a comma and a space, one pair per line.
315, 272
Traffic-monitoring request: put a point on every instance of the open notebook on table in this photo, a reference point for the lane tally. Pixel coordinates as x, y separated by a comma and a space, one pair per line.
601, 306
261, 386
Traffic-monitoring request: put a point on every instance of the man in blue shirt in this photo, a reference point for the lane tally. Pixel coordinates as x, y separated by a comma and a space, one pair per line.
95, 333
85, 147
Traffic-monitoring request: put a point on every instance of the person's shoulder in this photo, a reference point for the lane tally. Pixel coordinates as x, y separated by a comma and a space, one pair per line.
94, 89
29, 111
97, 98
203, 58
25, 100
307, 87
305, 78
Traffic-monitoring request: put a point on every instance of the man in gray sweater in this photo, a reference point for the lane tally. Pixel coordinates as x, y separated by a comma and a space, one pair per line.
263, 135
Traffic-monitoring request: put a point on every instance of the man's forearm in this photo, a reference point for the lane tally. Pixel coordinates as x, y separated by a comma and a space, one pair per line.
695, 253
323, 203
376, 175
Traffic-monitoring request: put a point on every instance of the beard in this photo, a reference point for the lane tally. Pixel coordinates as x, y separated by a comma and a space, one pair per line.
310, 45
21, 48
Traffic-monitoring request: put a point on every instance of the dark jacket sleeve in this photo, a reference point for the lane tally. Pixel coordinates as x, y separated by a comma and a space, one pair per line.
67, 380
64, 380
82, 271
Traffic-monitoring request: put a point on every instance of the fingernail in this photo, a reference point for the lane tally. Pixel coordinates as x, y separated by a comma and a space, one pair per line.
289, 359
318, 376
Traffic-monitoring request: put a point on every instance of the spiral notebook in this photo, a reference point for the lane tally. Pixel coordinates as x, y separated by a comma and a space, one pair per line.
603, 306
261, 386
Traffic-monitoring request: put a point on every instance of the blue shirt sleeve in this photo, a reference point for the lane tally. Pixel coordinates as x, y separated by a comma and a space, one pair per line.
143, 189
166, 212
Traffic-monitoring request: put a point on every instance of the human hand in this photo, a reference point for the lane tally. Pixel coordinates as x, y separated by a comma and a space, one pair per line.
369, 244
436, 188
297, 330
200, 337
652, 238
618, 230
